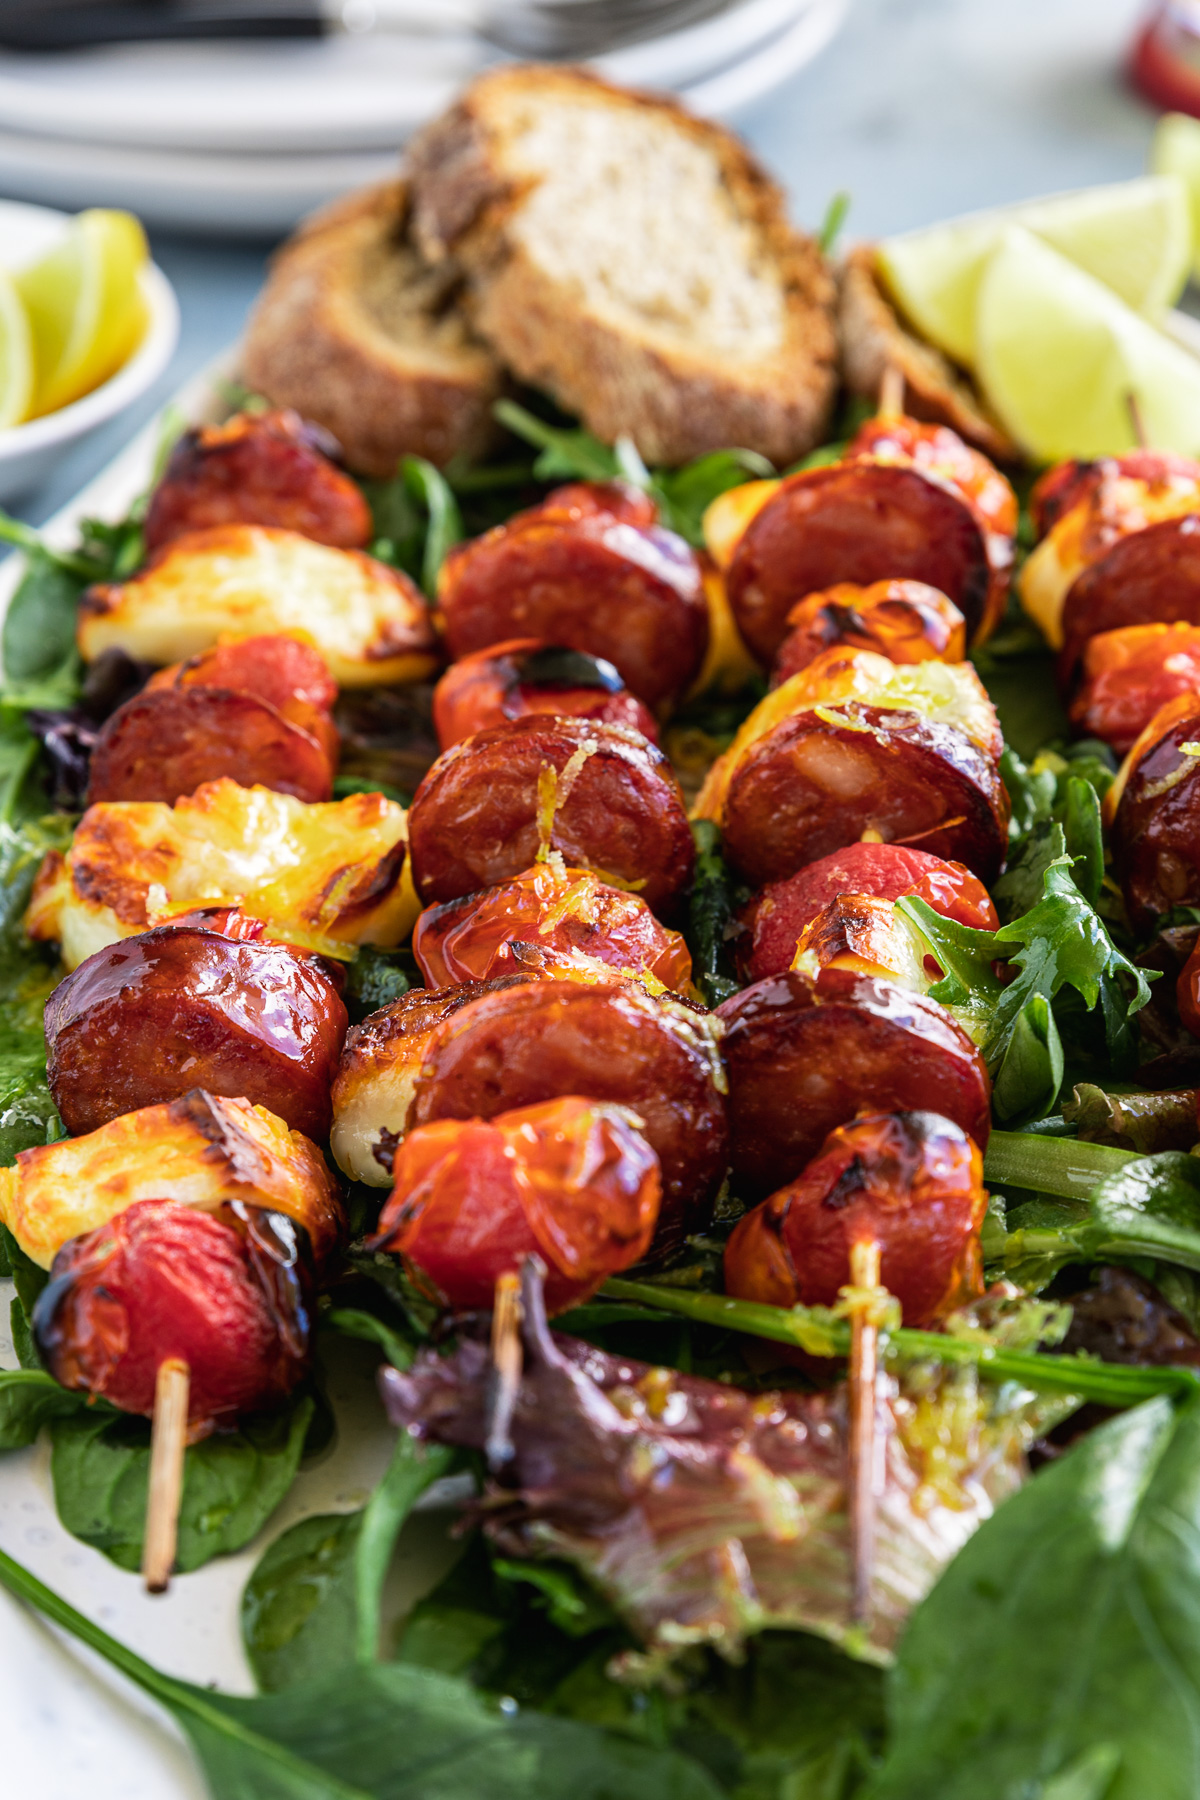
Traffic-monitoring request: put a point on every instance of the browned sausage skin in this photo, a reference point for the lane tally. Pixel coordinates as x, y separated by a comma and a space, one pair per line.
589, 568
154, 1016
1151, 576
600, 794
907, 621
268, 468
526, 675
804, 1056
1154, 809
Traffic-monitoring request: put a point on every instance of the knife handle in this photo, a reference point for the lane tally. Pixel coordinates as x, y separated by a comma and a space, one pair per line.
80, 24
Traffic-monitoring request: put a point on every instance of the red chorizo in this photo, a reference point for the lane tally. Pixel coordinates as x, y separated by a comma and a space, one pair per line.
590, 569
1066, 484
228, 1293
164, 744
152, 1017
570, 1181
910, 1181
1149, 577
1154, 807
527, 676
540, 1040
824, 776
549, 921
287, 673
267, 468
906, 621
1127, 675
606, 799
804, 1056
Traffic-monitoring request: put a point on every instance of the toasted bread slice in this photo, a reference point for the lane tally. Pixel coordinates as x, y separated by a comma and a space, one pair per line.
358, 333
633, 261
874, 338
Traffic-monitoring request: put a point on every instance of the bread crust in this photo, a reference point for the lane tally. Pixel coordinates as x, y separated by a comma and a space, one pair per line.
873, 338
355, 332
674, 400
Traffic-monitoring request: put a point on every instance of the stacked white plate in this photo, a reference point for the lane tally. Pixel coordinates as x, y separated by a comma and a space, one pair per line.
246, 138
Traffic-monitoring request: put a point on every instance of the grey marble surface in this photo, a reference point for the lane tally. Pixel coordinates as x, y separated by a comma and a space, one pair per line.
919, 109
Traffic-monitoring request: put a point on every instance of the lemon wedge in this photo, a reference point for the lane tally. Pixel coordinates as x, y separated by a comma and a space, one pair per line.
1135, 237
16, 356
85, 306
1066, 364
1176, 151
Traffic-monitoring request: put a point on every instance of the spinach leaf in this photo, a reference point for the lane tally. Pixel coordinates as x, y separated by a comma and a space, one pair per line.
1030, 1075
232, 1481
393, 1733
1059, 1654
313, 1600
1150, 1208
38, 639
28, 1280
29, 1399
710, 910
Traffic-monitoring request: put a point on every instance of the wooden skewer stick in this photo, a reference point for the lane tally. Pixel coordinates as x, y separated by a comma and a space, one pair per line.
891, 393
507, 1362
168, 1440
1136, 419
864, 1349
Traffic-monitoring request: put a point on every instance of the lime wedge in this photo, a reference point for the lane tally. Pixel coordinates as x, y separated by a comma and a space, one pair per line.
1176, 151
1060, 357
85, 305
16, 356
1136, 237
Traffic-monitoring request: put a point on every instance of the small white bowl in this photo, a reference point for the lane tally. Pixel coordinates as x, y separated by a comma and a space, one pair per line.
28, 452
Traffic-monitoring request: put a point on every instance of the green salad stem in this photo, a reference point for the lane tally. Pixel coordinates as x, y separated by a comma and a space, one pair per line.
1065, 1167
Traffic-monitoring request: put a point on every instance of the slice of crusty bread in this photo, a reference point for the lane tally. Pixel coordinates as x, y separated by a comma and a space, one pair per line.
633, 261
874, 338
357, 332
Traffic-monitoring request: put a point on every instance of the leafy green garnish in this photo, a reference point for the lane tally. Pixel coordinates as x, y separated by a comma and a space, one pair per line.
416, 519
377, 977
710, 909
1059, 1654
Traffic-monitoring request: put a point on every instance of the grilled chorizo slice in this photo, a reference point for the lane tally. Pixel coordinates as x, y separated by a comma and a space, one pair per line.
1127, 675
527, 676
806, 1055
604, 797
860, 522
152, 1017
266, 468
164, 744
777, 918
1148, 577
1067, 483
570, 1181
906, 621
229, 1293
273, 665
822, 778
536, 1041
549, 921
911, 1181
590, 569
1154, 808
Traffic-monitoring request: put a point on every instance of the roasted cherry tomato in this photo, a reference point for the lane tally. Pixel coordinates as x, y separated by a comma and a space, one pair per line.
571, 1181
590, 568
527, 676
906, 621
258, 469
1127, 675
154, 1016
550, 920
599, 794
804, 1055
910, 1181
777, 917
227, 1292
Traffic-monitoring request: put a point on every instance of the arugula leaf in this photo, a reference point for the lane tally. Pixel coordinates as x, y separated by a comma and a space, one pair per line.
232, 1481
710, 909
684, 495
444, 526
831, 224
393, 1733
566, 453
416, 520
1059, 1654
313, 1600
1030, 1075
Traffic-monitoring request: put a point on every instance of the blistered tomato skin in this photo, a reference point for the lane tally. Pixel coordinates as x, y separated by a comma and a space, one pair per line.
228, 1293
912, 1182
258, 469
804, 1056
777, 917
1127, 675
537, 1041
570, 1181
589, 568
550, 921
478, 816
154, 1016
857, 522
825, 776
526, 675
906, 621
1156, 828
165, 743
